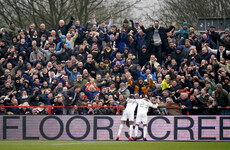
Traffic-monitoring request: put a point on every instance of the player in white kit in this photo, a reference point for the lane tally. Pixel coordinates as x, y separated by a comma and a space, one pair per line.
128, 113
142, 110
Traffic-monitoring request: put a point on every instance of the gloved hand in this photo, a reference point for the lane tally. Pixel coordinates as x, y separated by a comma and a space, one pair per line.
72, 18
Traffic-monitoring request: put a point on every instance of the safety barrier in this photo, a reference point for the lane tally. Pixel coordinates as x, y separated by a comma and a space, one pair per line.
117, 107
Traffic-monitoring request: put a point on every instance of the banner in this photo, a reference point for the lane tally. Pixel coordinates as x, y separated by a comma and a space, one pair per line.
168, 128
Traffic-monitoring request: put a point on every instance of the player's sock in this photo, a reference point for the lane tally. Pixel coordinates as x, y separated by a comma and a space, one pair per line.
130, 130
120, 129
136, 130
145, 131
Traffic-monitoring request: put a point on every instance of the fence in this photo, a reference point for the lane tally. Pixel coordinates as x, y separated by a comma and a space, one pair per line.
117, 107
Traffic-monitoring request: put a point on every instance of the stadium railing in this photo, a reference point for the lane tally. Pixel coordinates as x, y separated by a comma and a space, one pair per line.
117, 107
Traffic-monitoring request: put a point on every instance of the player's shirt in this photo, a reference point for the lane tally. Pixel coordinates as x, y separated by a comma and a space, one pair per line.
144, 105
131, 105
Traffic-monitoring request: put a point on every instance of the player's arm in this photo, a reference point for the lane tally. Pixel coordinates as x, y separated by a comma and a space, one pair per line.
153, 105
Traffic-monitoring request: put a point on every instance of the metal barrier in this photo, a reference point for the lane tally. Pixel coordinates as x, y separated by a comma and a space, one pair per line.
117, 107
50, 107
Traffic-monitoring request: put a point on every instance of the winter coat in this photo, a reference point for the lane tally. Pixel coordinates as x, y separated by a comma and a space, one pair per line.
162, 33
222, 98
61, 44
142, 88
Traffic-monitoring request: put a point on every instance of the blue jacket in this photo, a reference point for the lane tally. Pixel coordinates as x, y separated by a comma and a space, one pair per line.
183, 34
141, 40
58, 48
72, 75
205, 56
144, 76
89, 94
46, 100
122, 44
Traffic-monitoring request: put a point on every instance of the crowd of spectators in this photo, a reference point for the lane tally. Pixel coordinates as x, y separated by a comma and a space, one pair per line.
101, 65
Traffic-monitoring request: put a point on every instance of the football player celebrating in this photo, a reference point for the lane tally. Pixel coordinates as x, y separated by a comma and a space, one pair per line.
128, 113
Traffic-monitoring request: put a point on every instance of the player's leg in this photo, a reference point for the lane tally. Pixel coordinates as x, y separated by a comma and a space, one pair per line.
120, 128
136, 131
144, 120
138, 121
123, 119
130, 130
145, 132
131, 121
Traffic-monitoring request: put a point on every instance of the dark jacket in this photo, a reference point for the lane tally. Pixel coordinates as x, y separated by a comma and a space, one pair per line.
185, 102
224, 42
143, 57
67, 95
162, 33
209, 42
64, 29
214, 36
222, 98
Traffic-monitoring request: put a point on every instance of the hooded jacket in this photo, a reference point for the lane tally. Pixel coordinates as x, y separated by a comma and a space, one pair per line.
61, 44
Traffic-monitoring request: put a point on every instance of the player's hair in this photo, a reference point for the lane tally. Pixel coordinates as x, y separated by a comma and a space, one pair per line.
132, 96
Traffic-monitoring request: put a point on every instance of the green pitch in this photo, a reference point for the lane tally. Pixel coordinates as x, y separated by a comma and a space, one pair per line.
111, 145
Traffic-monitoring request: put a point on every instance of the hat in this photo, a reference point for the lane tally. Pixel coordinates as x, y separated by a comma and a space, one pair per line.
62, 36
136, 21
74, 66
226, 30
126, 21
219, 86
12, 23
144, 47
179, 48
212, 26
73, 27
185, 23
126, 67
126, 48
194, 63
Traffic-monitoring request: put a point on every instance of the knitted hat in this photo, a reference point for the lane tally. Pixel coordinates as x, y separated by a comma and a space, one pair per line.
126, 21
185, 24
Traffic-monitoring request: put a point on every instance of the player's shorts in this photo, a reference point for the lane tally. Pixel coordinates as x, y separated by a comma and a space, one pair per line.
141, 118
127, 115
